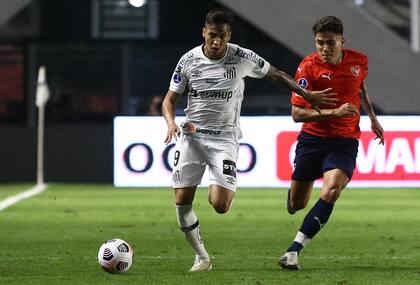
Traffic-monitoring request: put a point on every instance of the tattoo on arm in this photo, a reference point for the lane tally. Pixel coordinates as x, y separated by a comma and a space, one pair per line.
282, 77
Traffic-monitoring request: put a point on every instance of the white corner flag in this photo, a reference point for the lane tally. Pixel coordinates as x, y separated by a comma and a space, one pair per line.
42, 91
42, 96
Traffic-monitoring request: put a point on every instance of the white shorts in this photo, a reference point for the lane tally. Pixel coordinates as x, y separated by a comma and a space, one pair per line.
193, 152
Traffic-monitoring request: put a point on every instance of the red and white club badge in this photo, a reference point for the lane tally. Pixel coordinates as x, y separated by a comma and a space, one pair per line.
355, 70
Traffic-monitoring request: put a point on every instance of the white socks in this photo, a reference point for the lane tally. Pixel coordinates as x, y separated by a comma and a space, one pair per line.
302, 238
188, 222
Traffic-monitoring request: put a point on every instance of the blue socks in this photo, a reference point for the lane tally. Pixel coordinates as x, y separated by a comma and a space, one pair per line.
316, 218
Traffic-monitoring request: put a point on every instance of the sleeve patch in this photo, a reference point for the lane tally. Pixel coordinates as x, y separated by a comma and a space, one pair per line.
177, 78
302, 82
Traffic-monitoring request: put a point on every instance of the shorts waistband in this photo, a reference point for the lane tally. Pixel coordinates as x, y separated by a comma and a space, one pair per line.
190, 128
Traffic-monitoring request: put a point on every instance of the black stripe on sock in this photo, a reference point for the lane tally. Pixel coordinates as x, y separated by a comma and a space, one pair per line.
190, 228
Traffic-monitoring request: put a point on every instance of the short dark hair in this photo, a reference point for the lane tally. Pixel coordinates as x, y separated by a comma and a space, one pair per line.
219, 16
328, 24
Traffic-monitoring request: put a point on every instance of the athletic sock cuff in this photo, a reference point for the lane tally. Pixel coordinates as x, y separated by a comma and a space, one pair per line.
302, 238
325, 204
190, 228
187, 219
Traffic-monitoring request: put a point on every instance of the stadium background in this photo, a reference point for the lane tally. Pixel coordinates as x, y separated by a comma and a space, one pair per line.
108, 58
105, 58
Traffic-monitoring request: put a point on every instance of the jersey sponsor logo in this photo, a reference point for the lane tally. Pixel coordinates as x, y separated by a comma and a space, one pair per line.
177, 78
225, 95
208, 132
212, 80
355, 70
191, 129
250, 56
302, 82
230, 73
327, 76
229, 167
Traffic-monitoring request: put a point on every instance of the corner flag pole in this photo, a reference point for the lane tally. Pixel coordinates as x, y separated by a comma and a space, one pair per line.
42, 96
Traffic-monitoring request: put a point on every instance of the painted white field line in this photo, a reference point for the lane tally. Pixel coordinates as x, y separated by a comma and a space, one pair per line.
11, 200
48, 257
276, 257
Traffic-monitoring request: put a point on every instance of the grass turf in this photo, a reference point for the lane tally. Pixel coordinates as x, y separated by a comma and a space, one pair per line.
373, 237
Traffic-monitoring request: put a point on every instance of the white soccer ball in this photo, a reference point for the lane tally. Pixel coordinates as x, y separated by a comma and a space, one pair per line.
115, 256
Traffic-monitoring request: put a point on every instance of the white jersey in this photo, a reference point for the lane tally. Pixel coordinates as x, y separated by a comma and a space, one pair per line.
216, 87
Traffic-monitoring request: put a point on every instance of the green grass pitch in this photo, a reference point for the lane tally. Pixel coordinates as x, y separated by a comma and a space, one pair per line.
373, 237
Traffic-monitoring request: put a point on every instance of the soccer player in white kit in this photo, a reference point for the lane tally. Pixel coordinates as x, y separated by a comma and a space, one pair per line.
213, 75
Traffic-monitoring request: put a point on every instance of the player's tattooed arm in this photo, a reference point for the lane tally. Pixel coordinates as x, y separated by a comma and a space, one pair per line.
315, 98
368, 108
282, 77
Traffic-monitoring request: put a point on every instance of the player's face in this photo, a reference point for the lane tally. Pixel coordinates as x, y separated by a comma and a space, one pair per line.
329, 47
216, 38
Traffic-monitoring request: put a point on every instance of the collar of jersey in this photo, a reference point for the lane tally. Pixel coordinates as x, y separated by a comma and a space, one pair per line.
214, 60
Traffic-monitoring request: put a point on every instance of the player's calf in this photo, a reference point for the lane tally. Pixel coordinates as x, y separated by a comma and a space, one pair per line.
289, 207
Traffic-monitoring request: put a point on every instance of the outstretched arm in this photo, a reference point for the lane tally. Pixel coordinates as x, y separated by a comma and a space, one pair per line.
301, 114
315, 98
368, 108
168, 112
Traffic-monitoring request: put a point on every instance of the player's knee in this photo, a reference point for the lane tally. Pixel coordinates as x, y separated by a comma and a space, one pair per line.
221, 207
182, 201
332, 194
182, 198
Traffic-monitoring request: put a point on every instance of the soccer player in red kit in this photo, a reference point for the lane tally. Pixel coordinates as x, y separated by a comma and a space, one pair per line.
328, 143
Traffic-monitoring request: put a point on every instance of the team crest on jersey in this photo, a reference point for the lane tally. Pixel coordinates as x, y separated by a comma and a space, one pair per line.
302, 82
177, 78
230, 73
355, 70
176, 176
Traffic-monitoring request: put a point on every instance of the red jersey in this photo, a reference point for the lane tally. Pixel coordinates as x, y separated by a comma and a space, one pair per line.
345, 79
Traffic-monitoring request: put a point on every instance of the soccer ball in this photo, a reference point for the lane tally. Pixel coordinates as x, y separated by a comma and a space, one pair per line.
115, 256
